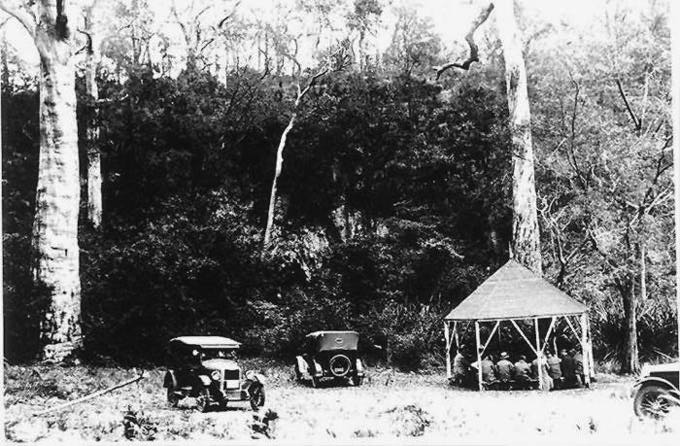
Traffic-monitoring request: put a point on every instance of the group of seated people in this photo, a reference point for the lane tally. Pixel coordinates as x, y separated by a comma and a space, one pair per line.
559, 372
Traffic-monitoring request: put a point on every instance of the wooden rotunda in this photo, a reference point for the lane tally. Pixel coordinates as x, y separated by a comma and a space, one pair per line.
514, 293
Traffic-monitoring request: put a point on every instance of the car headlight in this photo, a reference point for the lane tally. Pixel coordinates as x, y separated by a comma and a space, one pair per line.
216, 375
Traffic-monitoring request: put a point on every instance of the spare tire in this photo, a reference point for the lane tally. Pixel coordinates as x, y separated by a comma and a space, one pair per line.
339, 365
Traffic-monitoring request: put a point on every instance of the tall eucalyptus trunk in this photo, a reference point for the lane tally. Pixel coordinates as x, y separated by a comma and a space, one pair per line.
278, 168
526, 247
94, 168
630, 362
55, 227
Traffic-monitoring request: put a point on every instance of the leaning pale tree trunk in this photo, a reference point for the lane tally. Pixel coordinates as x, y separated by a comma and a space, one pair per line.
55, 228
279, 155
277, 173
94, 166
526, 247
337, 61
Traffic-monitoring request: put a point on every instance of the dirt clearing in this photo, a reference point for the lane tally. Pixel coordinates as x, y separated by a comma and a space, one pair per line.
388, 405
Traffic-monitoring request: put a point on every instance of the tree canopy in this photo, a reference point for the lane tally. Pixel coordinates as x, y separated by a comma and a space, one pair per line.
394, 201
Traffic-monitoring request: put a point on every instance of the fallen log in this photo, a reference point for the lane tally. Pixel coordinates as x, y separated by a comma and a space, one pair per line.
90, 396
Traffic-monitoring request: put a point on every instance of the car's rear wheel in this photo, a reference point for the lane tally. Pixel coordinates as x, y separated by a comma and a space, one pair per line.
257, 397
651, 401
173, 397
203, 400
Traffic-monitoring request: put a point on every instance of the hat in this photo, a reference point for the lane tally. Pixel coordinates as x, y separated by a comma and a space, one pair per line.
504, 355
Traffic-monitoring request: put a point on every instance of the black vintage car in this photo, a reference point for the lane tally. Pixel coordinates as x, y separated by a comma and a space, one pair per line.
206, 368
330, 354
658, 389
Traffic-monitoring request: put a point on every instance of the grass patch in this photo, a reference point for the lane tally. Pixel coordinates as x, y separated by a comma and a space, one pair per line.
390, 404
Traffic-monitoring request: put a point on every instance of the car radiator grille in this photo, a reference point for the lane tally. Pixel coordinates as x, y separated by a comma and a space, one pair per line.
232, 379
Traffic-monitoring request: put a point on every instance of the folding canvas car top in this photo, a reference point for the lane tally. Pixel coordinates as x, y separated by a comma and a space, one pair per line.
207, 341
334, 340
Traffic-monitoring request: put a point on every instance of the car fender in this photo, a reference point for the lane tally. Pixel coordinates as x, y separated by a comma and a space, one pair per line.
205, 380
302, 365
170, 380
318, 370
255, 377
655, 380
673, 397
359, 367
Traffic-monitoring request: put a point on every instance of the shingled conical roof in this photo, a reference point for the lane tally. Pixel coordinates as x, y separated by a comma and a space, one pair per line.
515, 292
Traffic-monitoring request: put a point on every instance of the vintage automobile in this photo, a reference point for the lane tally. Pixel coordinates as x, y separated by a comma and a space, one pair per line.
658, 389
330, 354
205, 367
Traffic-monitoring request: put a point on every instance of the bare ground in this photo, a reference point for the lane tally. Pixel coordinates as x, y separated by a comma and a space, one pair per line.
388, 405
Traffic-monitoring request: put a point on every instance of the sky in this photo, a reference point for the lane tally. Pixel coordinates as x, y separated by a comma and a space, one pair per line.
450, 18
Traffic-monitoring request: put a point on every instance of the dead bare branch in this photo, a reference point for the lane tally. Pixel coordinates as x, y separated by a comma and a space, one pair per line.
265, 73
23, 15
229, 16
470, 39
637, 122
93, 395
88, 46
572, 140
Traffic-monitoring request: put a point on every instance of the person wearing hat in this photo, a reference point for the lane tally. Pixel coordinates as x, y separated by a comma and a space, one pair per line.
504, 368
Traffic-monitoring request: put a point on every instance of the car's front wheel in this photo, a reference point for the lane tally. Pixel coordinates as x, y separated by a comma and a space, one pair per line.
257, 397
652, 401
203, 400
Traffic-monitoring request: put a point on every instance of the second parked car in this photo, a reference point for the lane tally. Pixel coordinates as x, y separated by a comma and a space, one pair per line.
330, 355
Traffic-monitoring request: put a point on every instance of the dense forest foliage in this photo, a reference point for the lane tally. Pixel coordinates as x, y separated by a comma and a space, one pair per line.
393, 201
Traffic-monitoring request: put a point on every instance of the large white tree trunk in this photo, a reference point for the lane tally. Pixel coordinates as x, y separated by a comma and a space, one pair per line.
55, 228
525, 232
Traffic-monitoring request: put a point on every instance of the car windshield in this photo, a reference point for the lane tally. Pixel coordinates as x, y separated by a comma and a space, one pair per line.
215, 353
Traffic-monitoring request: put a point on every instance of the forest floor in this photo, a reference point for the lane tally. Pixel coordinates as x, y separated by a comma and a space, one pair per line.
389, 404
